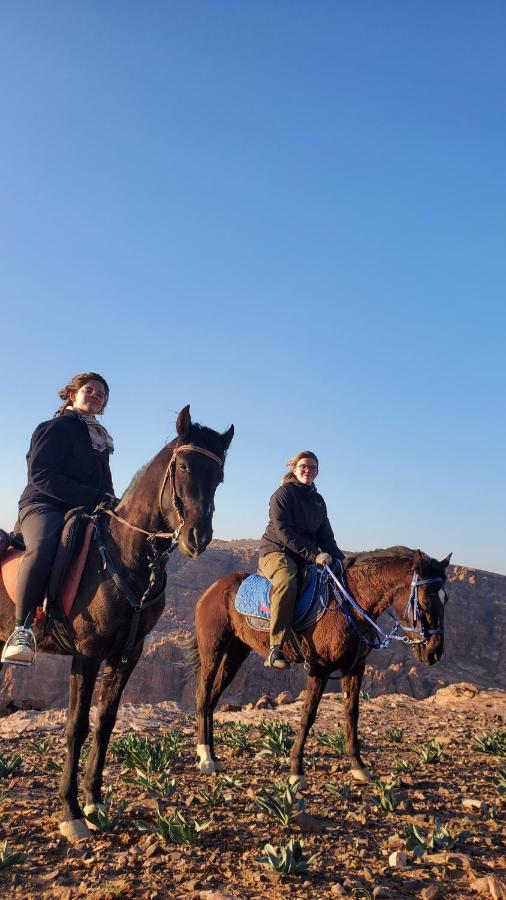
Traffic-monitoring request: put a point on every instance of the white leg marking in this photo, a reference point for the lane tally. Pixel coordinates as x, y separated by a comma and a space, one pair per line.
206, 763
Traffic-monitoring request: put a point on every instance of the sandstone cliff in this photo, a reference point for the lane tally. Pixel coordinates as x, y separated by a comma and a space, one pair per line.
474, 645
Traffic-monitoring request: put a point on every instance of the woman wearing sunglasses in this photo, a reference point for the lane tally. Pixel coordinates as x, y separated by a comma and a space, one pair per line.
298, 533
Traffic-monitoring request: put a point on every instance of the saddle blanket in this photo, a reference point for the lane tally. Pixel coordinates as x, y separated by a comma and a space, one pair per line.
253, 598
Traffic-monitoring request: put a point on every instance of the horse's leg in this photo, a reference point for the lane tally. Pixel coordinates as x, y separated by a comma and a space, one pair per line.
212, 647
351, 698
82, 681
312, 695
230, 664
113, 684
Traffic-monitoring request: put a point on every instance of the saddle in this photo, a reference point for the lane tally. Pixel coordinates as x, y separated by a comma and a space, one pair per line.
253, 600
67, 567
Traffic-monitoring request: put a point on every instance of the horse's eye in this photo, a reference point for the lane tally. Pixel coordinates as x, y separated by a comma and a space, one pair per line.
183, 467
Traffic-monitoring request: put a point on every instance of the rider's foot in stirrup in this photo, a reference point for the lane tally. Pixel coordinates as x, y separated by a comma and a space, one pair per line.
276, 659
19, 648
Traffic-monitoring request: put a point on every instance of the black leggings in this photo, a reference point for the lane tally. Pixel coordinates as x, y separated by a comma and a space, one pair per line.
41, 527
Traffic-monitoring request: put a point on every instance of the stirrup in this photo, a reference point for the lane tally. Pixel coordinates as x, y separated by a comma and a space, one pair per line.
276, 659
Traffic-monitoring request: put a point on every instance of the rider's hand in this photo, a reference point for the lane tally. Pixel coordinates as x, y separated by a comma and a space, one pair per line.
323, 559
109, 501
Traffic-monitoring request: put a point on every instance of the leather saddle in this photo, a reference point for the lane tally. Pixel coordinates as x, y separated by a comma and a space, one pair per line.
67, 567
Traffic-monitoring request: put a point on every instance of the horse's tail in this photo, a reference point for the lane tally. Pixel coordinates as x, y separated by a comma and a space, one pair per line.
191, 658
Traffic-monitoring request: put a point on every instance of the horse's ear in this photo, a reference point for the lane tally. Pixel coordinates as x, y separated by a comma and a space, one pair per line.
226, 438
445, 562
418, 561
184, 420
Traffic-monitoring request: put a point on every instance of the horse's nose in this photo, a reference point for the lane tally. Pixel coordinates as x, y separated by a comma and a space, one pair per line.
199, 539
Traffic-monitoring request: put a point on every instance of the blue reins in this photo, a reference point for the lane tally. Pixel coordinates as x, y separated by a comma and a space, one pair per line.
348, 605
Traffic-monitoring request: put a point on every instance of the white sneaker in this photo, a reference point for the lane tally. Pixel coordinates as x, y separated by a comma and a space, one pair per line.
19, 648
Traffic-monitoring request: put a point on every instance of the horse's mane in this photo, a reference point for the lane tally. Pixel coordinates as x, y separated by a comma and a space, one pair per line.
368, 556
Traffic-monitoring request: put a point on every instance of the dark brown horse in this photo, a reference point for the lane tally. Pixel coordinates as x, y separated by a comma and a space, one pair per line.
408, 580
171, 500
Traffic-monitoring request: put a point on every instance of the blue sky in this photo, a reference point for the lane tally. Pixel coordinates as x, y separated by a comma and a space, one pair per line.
289, 215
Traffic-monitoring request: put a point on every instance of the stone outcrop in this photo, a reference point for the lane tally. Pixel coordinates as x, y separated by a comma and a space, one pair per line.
474, 645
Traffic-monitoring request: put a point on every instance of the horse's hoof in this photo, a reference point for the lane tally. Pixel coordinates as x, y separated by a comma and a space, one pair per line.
360, 774
75, 830
89, 810
298, 781
206, 764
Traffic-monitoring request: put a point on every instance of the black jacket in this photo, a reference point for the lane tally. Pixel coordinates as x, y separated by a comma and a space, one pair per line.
64, 470
298, 524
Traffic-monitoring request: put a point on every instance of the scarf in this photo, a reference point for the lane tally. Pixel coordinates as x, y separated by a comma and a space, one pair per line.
100, 438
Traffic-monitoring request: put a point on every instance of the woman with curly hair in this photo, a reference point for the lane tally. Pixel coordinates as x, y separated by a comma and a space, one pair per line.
298, 533
68, 466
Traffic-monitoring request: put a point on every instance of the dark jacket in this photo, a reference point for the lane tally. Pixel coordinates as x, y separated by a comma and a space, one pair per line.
298, 524
64, 470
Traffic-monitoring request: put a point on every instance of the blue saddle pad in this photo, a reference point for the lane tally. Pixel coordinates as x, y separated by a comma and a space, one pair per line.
252, 598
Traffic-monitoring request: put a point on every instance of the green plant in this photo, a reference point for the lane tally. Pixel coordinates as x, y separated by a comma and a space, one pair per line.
278, 738
402, 767
290, 857
493, 742
212, 796
10, 859
419, 842
396, 735
283, 807
431, 752
365, 696
334, 740
155, 784
147, 756
44, 746
499, 780
173, 827
343, 791
4, 796
388, 797
104, 818
237, 738
9, 766
53, 766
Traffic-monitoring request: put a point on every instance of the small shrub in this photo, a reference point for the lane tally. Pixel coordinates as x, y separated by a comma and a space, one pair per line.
499, 781
493, 742
334, 740
365, 696
395, 735
283, 807
419, 842
10, 859
388, 796
343, 791
104, 818
212, 796
173, 828
402, 767
432, 752
43, 746
146, 755
154, 784
290, 858
238, 738
277, 737
9, 765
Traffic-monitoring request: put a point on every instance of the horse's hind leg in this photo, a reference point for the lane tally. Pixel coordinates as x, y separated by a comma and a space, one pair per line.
312, 695
113, 684
351, 698
230, 664
82, 681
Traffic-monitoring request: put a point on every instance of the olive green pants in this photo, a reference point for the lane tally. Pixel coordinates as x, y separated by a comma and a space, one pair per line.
281, 570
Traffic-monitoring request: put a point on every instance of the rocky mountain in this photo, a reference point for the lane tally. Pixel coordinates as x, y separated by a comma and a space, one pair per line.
474, 646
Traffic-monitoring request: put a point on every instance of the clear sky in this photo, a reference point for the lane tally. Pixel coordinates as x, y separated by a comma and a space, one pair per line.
290, 215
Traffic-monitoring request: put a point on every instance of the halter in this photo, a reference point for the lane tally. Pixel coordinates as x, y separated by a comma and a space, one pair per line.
168, 475
345, 601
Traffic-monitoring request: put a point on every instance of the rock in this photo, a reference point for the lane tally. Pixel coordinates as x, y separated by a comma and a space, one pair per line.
337, 890
230, 707
398, 860
264, 702
490, 886
380, 891
284, 698
431, 892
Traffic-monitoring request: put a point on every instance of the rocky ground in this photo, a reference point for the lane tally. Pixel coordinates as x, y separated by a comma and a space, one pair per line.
361, 852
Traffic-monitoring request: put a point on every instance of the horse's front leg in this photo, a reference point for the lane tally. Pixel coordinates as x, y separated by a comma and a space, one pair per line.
312, 695
113, 684
82, 681
351, 698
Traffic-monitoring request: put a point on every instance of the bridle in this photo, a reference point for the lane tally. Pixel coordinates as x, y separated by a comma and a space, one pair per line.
348, 605
168, 476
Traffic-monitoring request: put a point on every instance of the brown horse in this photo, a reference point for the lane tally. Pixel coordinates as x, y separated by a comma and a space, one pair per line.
170, 501
408, 580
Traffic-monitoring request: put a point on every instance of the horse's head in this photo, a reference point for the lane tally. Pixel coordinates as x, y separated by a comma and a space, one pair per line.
194, 472
423, 613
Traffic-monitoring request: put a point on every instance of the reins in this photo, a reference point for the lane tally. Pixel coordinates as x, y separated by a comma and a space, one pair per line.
348, 605
156, 559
